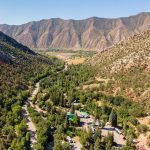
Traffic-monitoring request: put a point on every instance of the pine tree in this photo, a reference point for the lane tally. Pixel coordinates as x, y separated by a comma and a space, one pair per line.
72, 109
113, 118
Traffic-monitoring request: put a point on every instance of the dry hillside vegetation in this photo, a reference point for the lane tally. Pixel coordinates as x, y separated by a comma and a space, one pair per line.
76, 60
128, 63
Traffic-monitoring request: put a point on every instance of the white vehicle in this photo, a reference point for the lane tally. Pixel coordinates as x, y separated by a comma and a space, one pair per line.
134, 141
118, 131
69, 139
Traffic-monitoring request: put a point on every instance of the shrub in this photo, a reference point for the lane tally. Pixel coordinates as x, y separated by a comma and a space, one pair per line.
142, 128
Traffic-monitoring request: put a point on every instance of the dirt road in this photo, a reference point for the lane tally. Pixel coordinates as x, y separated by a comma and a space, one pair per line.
30, 124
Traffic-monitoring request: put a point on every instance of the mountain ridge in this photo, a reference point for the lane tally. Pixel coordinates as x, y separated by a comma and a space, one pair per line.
71, 19
89, 34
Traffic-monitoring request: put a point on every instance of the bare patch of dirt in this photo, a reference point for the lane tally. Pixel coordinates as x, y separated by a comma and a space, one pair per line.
76, 60
142, 143
142, 139
102, 80
91, 86
61, 55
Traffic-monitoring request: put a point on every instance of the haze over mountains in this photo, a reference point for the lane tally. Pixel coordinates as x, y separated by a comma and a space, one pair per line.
90, 34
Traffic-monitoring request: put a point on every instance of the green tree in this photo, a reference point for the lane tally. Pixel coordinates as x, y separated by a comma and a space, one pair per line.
38, 146
97, 134
21, 128
91, 147
97, 145
57, 145
109, 139
66, 146
27, 136
72, 109
113, 118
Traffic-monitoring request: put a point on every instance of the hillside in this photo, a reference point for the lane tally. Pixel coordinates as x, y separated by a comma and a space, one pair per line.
90, 34
20, 67
18, 64
6, 53
126, 64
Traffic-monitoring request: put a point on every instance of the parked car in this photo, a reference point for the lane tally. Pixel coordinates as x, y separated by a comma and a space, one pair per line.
69, 139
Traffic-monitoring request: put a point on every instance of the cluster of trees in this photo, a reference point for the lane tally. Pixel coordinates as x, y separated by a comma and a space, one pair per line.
60, 90
56, 91
13, 128
60, 86
43, 132
18, 72
49, 126
95, 141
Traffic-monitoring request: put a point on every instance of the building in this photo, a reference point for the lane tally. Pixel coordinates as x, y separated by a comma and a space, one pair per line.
84, 114
71, 116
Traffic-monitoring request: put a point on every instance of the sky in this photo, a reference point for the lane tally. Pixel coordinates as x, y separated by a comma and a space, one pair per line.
23, 11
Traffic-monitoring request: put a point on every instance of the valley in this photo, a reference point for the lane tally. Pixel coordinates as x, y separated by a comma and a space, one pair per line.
53, 105
69, 84
69, 56
48, 92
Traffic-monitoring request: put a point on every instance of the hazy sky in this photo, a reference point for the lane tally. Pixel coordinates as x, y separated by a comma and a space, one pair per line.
22, 11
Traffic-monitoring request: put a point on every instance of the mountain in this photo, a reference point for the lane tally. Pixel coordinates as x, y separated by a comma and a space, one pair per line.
18, 66
90, 34
127, 65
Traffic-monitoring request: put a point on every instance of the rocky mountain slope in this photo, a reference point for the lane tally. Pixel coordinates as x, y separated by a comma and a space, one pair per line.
92, 34
127, 64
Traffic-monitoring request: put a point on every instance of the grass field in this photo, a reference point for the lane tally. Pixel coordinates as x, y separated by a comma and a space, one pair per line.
69, 56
